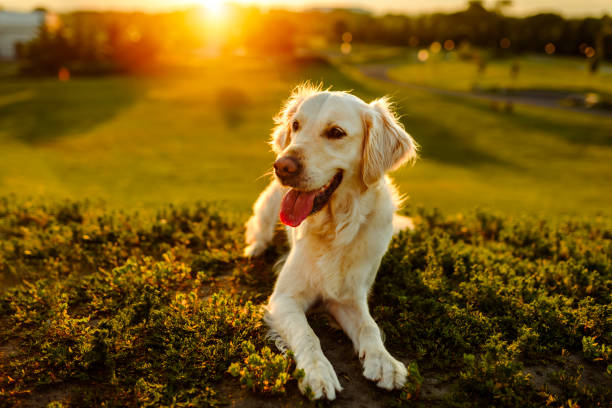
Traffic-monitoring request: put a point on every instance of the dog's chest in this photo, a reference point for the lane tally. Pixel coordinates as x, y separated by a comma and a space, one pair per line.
331, 271
342, 248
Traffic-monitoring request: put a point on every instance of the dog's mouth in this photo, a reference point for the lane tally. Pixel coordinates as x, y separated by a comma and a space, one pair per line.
297, 205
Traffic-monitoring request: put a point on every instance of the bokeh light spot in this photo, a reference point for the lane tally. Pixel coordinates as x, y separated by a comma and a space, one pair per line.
63, 74
435, 47
346, 48
550, 48
589, 52
504, 43
423, 55
591, 99
347, 37
449, 45
52, 22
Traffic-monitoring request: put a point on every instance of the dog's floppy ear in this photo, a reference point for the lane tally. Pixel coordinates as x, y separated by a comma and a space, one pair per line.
386, 145
281, 134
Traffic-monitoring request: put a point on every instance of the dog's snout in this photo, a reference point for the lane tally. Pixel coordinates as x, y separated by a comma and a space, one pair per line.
287, 167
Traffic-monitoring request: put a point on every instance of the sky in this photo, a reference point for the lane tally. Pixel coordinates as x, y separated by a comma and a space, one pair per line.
520, 7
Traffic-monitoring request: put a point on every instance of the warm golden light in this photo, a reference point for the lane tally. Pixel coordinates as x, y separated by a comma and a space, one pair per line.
423, 55
346, 48
589, 52
214, 8
435, 47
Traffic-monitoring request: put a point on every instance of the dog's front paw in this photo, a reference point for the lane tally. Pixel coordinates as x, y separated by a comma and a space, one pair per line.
255, 249
381, 367
320, 380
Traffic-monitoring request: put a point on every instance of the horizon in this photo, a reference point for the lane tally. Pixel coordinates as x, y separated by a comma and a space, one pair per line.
569, 8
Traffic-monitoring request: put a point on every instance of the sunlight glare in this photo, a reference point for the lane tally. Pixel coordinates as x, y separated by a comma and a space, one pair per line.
215, 8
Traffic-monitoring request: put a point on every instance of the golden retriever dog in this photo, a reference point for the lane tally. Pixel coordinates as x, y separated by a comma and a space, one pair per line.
330, 190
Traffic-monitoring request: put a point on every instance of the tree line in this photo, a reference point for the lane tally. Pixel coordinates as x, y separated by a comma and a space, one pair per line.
98, 42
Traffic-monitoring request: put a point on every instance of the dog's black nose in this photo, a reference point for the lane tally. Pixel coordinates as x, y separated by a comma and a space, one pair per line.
287, 167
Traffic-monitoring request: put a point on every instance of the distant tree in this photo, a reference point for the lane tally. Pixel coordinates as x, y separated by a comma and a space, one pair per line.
47, 53
534, 32
501, 5
98, 42
600, 49
274, 35
340, 27
475, 6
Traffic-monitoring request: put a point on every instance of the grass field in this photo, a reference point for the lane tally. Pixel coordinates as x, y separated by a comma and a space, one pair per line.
199, 134
113, 293
536, 72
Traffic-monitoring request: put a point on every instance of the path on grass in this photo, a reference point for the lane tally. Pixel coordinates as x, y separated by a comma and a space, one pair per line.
541, 99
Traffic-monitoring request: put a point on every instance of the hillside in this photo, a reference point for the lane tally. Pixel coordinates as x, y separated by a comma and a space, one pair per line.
199, 133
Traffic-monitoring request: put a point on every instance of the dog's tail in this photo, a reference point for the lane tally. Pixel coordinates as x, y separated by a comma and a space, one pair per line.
401, 223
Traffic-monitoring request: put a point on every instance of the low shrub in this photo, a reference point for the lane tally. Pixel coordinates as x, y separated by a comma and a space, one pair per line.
161, 309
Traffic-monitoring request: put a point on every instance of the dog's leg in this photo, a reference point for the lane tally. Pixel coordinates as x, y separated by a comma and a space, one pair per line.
260, 227
285, 315
378, 364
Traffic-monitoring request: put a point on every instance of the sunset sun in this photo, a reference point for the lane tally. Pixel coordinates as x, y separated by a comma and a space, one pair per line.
215, 8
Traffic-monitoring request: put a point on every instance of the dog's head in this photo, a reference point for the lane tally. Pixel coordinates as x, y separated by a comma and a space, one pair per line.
323, 139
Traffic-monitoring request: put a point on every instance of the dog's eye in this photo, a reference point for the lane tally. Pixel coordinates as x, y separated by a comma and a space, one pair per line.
295, 125
335, 133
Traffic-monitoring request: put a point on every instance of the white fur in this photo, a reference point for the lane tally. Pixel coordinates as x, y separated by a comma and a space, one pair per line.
336, 252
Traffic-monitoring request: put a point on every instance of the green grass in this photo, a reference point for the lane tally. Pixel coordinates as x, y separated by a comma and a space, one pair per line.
108, 308
536, 160
200, 133
134, 140
447, 71
138, 302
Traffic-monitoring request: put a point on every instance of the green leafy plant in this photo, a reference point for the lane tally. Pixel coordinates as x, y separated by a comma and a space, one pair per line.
595, 351
264, 371
162, 310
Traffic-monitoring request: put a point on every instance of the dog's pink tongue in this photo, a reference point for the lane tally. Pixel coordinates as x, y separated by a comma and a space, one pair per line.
296, 206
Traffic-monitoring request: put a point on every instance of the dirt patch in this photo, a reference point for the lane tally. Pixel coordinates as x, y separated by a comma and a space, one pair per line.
45, 395
433, 389
543, 376
8, 350
592, 375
